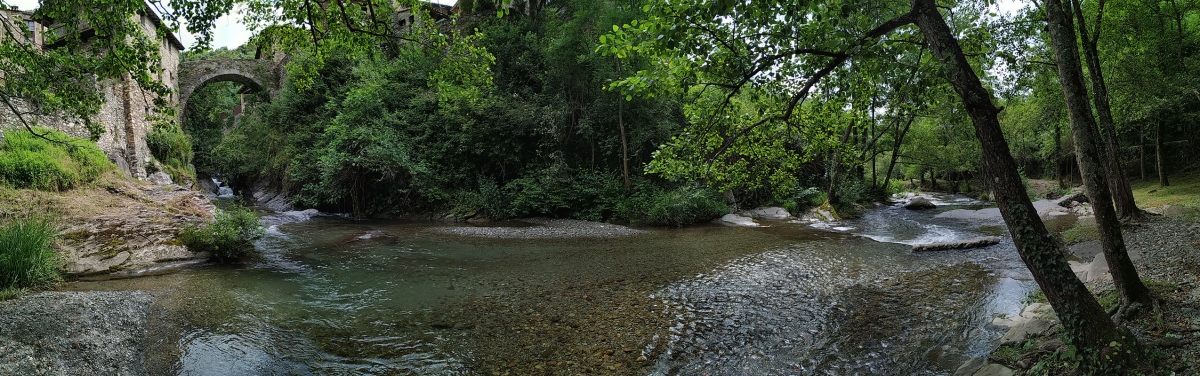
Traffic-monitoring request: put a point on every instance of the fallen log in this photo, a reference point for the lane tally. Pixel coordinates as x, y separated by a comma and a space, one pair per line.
962, 244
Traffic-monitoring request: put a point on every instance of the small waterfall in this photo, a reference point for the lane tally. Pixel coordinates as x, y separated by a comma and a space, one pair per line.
223, 191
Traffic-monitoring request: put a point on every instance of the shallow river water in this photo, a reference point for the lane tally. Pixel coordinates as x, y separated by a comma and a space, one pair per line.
788, 299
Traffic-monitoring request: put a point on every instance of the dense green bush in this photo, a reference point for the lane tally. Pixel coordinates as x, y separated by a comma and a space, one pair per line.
26, 259
54, 163
676, 207
173, 148
229, 237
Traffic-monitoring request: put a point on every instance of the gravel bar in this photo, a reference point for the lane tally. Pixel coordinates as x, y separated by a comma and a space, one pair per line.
74, 333
545, 229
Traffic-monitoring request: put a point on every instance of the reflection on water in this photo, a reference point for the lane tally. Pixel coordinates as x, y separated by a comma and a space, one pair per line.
785, 299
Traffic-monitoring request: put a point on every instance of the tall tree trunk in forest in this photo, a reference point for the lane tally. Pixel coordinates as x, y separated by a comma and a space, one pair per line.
1158, 155
1142, 150
1085, 322
1083, 127
1117, 183
624, 143
831, 193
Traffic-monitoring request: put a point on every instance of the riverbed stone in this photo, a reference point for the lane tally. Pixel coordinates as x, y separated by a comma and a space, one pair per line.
919, 203
770, 213
737, 220
972, 365
1097, 270
994, 369
1038, 311
1031, 327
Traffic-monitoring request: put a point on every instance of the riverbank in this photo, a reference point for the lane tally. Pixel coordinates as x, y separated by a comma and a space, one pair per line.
115, 224
1165, 251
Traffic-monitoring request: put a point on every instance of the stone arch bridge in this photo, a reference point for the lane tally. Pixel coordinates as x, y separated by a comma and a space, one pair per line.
256, 74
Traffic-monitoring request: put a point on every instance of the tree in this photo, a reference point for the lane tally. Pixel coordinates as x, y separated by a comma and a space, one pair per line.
1083, 127
788, 60
1117, 182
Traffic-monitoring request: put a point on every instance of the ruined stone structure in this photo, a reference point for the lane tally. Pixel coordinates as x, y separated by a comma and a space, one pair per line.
254, 74
127, 107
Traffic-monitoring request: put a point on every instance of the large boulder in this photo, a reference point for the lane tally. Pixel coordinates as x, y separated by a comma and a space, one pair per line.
919, 203
160, 178
737, 220
770, 213
1073, 199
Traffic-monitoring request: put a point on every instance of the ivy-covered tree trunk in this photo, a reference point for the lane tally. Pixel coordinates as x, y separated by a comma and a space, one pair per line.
1087, 155
1117, 182
1084, 321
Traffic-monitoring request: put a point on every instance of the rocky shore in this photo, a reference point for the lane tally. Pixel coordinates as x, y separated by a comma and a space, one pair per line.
1166, 252
74, 333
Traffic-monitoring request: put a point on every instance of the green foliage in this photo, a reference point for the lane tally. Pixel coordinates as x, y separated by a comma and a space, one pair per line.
54, 163
1080, 233
686, 205
26, 259
173, 148
229, 237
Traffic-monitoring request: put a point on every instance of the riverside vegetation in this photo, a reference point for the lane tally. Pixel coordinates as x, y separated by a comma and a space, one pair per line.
663, 112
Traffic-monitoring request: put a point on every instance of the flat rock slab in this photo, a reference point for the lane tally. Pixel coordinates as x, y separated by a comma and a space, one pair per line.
74, 333
965, 244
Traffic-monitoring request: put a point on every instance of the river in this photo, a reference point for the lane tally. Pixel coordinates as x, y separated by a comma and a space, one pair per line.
791, 298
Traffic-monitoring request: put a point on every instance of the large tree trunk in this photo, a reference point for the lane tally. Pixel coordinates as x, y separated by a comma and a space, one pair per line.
1158, 155
1117, 183
1087, 154
1084, 321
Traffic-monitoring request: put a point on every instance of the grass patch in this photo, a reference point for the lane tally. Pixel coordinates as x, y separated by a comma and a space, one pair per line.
29, 161
1006, 355
26, 259
229, 237
1037, 296
1183, 191
1079, 234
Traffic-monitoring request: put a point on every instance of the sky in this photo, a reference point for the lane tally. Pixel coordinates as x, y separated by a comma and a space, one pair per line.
230, 32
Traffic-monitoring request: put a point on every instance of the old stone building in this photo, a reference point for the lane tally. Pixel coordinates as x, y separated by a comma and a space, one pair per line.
127, 107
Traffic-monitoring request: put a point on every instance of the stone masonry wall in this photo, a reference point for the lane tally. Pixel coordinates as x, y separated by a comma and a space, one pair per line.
123, 114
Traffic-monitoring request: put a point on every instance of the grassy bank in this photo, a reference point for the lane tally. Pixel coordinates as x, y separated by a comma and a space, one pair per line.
1183, 191
26, 259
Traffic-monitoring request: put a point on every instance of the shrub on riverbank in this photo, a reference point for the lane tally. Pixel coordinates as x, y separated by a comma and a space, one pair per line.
55, 163
677, 207
26, 259
229, 237
173, 148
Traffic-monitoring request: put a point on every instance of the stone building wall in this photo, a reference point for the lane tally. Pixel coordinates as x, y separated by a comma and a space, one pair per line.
125, 110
